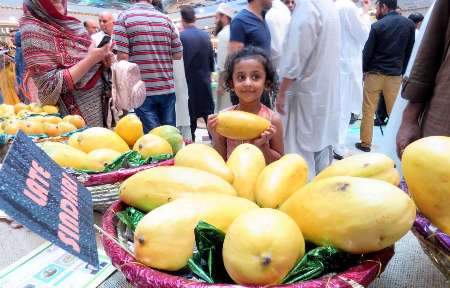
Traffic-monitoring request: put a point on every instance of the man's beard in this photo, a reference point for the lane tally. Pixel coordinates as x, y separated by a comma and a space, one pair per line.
219, 27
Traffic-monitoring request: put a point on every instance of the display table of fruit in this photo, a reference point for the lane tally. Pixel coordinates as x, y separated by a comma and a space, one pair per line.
205, 222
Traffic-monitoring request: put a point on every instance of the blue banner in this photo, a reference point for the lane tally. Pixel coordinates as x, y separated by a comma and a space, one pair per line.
40, 195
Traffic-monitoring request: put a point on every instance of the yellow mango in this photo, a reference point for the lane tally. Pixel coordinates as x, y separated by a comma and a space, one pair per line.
67, 156
75, 120
356, 215
203, 157
280, 179
98, 137
50, 109
31, 127
164, 238
240, 125
426, 167
366, 165
154, 187
104, 156
151, 145
130, 129
246, 162
261, 247
73, 141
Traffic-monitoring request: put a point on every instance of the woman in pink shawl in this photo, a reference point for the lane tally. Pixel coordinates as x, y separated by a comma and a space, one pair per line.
59, 56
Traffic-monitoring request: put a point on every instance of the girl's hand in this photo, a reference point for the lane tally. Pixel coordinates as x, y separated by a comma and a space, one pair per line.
212, 125
265, 137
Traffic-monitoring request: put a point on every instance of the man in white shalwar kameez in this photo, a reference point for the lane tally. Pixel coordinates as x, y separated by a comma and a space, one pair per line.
355, 28
278, 18
310, 70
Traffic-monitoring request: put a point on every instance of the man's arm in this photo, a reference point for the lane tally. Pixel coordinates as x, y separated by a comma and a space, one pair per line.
237, 36
369, 49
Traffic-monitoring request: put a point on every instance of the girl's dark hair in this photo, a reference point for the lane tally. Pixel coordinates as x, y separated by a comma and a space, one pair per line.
251, 52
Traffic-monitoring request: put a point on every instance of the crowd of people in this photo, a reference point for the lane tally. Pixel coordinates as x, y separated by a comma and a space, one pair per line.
311, 67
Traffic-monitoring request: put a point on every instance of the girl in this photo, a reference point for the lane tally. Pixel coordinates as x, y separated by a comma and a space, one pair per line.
248, 74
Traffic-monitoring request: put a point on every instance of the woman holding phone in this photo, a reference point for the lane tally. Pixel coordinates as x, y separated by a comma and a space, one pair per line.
63, 61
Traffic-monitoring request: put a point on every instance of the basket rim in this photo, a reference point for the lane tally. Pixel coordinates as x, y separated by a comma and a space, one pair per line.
362, 274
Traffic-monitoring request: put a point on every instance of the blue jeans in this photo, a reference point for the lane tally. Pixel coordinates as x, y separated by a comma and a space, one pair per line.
156, 111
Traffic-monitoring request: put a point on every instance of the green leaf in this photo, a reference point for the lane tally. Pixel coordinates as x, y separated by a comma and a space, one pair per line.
130, 217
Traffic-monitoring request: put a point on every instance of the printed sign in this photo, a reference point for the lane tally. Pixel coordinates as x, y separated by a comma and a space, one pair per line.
40, 195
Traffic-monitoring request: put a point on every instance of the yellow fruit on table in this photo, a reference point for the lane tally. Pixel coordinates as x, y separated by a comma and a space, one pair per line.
21, 106
23, 113
154, 187
426, 167
12, 126
38, 118
280, 179
99, 137
65, 127
164, 238
203, 157
356, 215
6, 110
52, 119
67, 156
239, 125
51, 129
31, 127
35, 108
75, 120
171, 134
151, 145
246, 162
50, 109
366, 165
104, 156
261, 247
130, 129
73, 141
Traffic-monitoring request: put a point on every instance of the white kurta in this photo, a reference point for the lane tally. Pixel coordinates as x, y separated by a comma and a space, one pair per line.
355, 30
278, 19
223, 42
183, 121
311, 56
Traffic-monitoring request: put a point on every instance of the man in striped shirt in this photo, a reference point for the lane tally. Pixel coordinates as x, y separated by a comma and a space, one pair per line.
144, 36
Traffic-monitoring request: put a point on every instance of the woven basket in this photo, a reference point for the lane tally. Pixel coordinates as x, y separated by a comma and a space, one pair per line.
105, 186
435, 243
141, 276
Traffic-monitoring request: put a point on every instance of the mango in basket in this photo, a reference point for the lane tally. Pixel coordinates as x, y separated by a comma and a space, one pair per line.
73, 141
130, 129
151, 145
23, 114
6, 110
426, 165
65, 127
356, 215
36, 108
104, 156
99, 137
366, 165
52, 119
154, 187
51, 129
280, 179
261, 246
11, 126
204, 157
75, 120
164, 238
21, 106
171, 134
246, 162
31, 127
67, 156
241, 125
50, 109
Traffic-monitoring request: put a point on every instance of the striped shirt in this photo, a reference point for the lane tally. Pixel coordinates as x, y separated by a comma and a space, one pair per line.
149, 38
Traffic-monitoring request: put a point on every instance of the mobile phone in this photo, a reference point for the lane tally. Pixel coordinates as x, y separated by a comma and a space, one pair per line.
104, 41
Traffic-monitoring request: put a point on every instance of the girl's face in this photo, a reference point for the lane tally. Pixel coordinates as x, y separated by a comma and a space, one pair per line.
249, 80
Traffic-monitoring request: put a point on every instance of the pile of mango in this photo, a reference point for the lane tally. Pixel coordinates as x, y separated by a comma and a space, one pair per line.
35, 119
266, 211
94, 148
